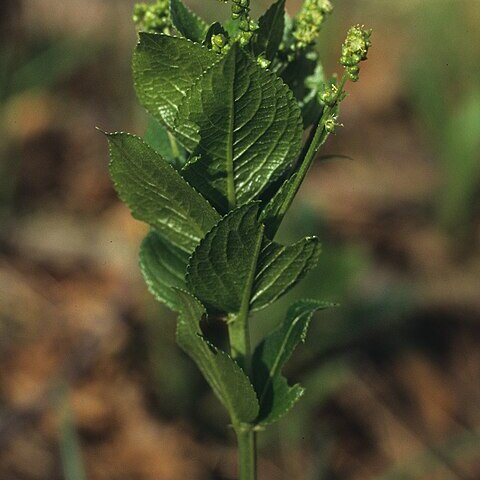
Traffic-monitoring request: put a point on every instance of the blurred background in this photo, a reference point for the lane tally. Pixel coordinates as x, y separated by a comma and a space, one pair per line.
92, 385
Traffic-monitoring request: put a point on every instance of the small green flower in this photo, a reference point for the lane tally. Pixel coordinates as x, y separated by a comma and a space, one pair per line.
219, 43
263, 62
331, 95
153, 18
331, 123
355, 50
241, 9
309, 21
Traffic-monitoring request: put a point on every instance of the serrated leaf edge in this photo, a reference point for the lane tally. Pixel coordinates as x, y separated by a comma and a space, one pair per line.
197, 17
269, 420
149, 282
111, 134
229, 214
315, 253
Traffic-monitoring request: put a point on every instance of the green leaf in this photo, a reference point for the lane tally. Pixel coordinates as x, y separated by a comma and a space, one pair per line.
164, 68
222, 267
163, 267
272, 214
227, 379
157, 194
280, 267
246, 127
188, 23
271, 26
275, 396
163, 142
232, 26
305, 77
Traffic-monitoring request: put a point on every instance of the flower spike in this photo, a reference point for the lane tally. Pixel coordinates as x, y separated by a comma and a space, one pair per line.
310, 20
355, 50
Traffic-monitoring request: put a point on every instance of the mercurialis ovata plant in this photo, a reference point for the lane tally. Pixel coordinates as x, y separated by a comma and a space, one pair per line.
238, 113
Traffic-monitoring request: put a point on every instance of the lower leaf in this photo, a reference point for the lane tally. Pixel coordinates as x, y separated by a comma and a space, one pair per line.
228, 381
275, 396
163, 267
278, 401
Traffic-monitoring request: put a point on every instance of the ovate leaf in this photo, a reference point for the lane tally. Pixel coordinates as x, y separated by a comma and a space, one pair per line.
280, 267
188, 23
157, 194
227, 379
163, 267
244, 125
271, 26
222, 267
164, 68
275, 396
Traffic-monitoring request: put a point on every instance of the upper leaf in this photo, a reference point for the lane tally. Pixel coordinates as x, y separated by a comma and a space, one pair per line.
246, 127
227, 379
275, 397
157, 194
221, 270
188, 23
164, 68
271, 26
280, 267
163, 267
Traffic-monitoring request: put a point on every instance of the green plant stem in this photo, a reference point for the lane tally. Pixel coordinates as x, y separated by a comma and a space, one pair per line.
311, 149
246, 439
240, 349
238, 323
239, 336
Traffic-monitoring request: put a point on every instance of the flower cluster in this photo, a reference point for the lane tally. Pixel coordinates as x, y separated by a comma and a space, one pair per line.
241, 12
153, 18
309, 21
355, 50
220, 43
